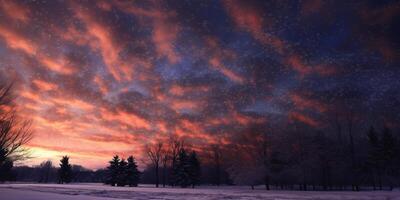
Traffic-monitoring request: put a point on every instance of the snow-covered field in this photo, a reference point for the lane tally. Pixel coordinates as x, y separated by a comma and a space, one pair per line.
102, 192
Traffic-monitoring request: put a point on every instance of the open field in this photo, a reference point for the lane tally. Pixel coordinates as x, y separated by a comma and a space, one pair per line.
102, 192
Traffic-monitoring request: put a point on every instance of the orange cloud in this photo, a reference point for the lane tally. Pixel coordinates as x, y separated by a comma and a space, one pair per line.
17, 42
303, 118
15, 11
123, 117
165, 29
180, 90
102, 85
99, 37
164, 34
298, 64
72, 103
59, 65
216, 63
109, 50
44, 86
50, 101
29, 95
245, 17
250, 19
188, 125
184, 104
303, 103
176, 90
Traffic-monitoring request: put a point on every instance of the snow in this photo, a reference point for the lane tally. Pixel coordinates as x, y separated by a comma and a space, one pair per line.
103, 192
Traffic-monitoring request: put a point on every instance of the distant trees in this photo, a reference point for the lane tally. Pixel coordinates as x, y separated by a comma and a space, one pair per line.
121, 172
46, 171
250, 157
381, 157
65, 171
14, 133
303, 158
43, 173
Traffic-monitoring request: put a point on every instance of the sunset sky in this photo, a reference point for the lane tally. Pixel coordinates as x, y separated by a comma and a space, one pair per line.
99, 78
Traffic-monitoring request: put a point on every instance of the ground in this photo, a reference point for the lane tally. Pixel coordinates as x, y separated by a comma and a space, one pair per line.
103, 192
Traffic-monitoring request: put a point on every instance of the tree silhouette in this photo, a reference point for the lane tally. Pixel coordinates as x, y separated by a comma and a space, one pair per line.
374, 156
194, 169
133, 174
112, 171
6, 173
65, 171
45, 171
174, 145
183, 169
122, 173
14, 133
154, 152
388, 154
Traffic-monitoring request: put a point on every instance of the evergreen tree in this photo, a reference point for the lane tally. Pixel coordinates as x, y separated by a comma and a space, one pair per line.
122, 173
173, 176
112, 171
5, 167
6, 173
65, 171
133, 174
183, 169
194, 170
388, 146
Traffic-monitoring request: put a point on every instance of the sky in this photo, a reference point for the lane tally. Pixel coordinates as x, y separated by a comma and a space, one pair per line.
99, 78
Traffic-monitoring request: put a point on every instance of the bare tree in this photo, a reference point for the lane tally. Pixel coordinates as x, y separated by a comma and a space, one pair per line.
14, 132
45, 169
175, 145
154, 152
350, 123
164, 159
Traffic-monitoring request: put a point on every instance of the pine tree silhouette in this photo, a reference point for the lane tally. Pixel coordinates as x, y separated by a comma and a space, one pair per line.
65, 171
194, 169
183, 169
122, 173
112, 171
6, 166
132, 172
